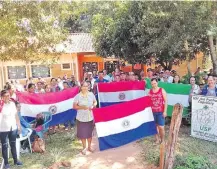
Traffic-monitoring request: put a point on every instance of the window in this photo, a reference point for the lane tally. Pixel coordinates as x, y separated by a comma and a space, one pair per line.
16, 72
66, 66
110, 66
40, 71
90, 66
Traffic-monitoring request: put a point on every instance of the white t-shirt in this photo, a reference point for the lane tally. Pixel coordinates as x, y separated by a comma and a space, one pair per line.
8, 117
60, 84
170, 79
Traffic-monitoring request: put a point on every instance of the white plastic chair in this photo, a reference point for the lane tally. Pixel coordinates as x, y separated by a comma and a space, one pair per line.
2, 163
18, 142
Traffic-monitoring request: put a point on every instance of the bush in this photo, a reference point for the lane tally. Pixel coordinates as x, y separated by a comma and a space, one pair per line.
193, 162
199, 78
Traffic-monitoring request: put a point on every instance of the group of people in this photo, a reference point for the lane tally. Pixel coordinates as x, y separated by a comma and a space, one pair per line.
86, 100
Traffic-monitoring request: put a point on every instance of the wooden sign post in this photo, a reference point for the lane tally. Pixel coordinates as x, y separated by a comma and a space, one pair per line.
173, 138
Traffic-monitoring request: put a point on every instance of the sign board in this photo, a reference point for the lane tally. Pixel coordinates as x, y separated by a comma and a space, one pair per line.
204, 118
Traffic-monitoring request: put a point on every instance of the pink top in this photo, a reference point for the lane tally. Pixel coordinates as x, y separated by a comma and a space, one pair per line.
157, 101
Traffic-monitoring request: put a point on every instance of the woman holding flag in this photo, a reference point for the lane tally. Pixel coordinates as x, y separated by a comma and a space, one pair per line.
84, 102
159, 108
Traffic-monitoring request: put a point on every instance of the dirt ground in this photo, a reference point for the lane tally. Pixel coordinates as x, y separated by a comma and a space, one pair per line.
125, 157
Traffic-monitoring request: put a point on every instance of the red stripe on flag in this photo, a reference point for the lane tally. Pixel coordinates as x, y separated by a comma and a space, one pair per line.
47, 98
121, 86
121, 110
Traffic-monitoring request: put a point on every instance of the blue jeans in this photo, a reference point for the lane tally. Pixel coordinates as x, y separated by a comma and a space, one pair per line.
11, 135
159, 118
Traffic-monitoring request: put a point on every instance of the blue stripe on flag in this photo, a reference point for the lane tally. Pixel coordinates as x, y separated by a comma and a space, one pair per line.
104, 104
116, 140
63, 117
59, 118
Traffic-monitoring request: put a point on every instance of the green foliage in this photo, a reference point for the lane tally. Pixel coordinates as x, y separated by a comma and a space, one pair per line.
198, 77
193, 162
151, 152
30, 29
162, 32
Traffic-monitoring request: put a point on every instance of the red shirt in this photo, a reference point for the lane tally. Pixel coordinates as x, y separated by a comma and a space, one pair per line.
157, 101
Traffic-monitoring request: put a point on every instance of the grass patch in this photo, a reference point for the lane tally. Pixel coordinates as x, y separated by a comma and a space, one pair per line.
188, 148
61, 147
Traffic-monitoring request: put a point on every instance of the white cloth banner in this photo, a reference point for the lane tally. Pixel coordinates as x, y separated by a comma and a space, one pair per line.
204, 118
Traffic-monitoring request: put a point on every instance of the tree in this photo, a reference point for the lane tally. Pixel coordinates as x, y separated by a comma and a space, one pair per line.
30, 31
212, 33
166, 33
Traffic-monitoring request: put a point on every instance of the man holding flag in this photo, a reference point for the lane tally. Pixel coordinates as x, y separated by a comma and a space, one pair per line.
159, 108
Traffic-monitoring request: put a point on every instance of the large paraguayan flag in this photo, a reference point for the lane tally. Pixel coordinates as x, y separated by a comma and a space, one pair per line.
123, 123
59, 104
119, 92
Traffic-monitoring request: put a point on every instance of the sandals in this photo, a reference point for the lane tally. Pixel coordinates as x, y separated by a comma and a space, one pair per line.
84, 151
90, 150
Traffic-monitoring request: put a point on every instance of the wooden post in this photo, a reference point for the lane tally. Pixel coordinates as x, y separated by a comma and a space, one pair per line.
173, 135
162, 155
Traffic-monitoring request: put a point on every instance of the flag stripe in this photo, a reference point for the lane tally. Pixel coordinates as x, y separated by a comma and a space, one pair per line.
169, 108
59, 118
47, 98
170, 111
172, 88
117, 126
116, 140
128, 108
121, 86
105, 104
177, 98
32, 110
121, 96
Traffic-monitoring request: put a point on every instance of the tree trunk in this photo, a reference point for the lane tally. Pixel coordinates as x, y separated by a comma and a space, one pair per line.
213, 54
206, 62
167, 66
170, 66
187, 57
173, 136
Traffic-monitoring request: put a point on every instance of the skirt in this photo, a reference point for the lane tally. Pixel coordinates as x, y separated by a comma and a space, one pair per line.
84, 129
